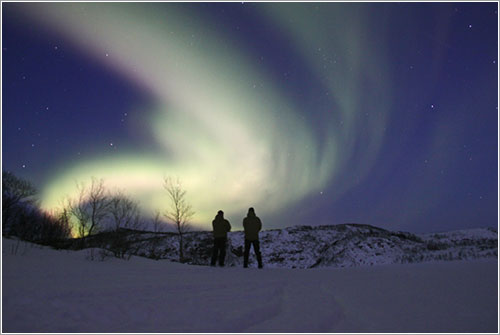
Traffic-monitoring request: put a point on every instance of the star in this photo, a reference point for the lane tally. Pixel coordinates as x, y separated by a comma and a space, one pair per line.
182, 106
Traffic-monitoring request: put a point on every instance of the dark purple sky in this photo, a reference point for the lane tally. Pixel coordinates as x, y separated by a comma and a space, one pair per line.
405, 93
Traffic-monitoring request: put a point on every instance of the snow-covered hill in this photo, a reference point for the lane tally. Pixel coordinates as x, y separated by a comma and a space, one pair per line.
46, 290
342, 245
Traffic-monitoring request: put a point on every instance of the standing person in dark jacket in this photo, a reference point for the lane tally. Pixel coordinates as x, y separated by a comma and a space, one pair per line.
252, 226
221, 227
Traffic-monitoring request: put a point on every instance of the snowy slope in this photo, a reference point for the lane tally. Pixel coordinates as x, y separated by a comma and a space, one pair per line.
45, 290
343, 245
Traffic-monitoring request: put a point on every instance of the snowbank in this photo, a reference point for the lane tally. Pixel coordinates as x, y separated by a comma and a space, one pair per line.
45, 290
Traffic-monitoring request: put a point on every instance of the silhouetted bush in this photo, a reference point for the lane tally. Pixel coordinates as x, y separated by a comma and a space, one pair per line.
35, 226
17, 198
436, 246
120, 244
22, 218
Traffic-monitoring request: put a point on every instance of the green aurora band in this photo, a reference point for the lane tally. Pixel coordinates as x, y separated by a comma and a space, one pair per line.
224, 128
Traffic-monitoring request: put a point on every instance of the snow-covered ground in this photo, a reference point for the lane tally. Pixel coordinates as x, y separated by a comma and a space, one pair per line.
45, 290
343, 245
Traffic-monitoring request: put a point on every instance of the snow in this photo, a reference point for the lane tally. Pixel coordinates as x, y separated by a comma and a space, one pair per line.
46, 290
345, 245
456, 235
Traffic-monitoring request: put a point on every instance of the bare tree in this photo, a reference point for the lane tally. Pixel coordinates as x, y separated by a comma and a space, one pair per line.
180, 211
124, 211
64, 222
52, 228
91, 207
156, 221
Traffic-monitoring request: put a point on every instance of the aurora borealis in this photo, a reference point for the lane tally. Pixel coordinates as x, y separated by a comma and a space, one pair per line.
313, 113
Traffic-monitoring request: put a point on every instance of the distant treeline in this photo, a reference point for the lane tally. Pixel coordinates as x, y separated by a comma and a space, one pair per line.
93, 209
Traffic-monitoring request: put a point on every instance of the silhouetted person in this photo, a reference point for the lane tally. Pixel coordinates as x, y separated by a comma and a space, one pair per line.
252, 226
221, 227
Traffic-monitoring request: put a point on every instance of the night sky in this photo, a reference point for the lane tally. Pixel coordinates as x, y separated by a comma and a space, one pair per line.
313, 113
